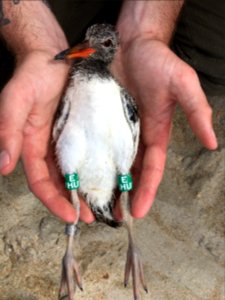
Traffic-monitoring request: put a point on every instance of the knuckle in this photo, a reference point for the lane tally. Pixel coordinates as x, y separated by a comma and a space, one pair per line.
187, 76
209, 111
183, 76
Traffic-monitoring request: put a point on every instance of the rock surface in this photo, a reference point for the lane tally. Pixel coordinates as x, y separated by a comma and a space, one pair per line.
182, 238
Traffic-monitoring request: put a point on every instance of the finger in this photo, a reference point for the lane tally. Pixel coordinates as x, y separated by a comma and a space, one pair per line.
14, 110
150, 178
85, 213
45, 190
150, 163
193, 101
43, 179
42, 186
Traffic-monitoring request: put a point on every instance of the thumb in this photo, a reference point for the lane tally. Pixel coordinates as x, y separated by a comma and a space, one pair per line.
14, 109
193, 101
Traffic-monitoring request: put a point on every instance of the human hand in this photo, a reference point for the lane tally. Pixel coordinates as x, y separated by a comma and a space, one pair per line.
158, 80
29, 100
27, 106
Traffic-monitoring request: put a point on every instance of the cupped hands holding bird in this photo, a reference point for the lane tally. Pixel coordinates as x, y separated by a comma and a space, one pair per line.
156, 77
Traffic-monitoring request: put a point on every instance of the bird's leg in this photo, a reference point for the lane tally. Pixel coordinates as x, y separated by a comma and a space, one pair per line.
70, 271
133, 262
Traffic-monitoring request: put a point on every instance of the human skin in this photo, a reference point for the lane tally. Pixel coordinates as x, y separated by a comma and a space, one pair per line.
29, 100
156, 77
159, 80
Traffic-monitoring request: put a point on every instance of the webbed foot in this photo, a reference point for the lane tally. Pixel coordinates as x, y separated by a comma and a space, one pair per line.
135, 267
70, 277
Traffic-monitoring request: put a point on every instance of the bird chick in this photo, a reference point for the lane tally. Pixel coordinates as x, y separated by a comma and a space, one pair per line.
96, 136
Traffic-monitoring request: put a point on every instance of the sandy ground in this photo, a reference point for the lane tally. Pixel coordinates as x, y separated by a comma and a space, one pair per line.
182, 238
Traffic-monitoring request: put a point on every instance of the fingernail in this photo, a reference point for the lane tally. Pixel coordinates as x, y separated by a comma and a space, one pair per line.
4, 159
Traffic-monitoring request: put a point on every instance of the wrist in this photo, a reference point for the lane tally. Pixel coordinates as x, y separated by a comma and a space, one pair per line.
154, 20
32, 27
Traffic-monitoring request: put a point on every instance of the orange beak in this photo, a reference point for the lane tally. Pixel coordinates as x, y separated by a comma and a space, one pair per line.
82, 50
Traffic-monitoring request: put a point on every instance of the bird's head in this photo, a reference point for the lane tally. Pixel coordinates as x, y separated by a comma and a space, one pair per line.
100, 43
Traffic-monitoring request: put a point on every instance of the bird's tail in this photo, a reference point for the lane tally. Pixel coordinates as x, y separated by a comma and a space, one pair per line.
111, 222
105, 215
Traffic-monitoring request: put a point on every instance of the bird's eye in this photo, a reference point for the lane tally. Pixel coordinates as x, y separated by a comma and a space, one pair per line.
108, 43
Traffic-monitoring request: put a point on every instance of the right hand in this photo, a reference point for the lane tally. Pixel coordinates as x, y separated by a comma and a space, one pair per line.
27, 106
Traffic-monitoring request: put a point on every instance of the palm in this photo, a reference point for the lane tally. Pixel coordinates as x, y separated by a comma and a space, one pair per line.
159, 79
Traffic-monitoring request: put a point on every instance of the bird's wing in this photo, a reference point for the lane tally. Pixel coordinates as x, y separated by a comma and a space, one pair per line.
61, 118
132, 117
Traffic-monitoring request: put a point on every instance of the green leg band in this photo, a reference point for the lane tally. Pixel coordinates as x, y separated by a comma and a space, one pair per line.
72, 181
125, 182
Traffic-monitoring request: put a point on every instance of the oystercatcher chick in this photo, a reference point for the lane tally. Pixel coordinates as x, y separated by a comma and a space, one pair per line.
96, 137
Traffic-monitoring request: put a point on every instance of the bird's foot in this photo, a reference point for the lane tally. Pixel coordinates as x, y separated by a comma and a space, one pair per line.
70, 277
135, 267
